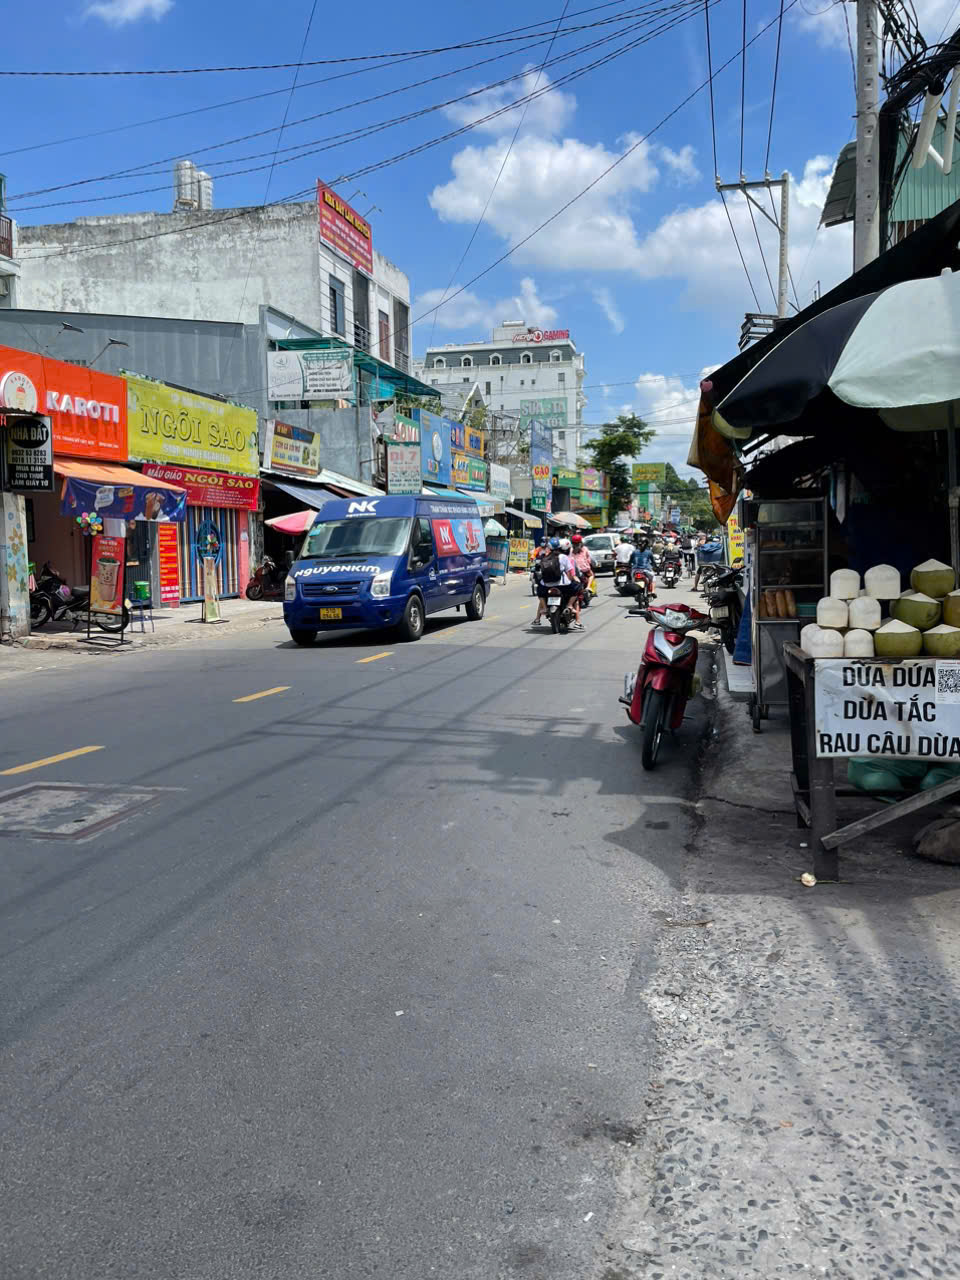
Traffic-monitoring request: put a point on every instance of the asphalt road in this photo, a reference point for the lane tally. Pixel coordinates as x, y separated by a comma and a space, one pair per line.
341, 981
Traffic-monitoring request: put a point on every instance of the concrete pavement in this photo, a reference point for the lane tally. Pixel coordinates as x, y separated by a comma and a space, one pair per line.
344, 972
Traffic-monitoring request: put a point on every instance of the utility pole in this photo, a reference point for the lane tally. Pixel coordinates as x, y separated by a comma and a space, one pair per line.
866, 226
781, 224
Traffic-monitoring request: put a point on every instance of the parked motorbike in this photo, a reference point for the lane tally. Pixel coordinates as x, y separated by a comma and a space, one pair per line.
267, 582
656, 694
723, 598
53, 600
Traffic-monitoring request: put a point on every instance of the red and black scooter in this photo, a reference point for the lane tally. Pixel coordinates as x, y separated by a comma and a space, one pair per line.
656, 696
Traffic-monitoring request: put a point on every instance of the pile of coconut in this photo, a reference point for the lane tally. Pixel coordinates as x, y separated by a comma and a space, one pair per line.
925, 619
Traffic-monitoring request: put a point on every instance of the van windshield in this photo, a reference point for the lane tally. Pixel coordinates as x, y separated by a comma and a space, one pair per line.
337, 539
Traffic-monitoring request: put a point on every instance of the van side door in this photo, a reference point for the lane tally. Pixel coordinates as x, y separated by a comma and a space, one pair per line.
422, 564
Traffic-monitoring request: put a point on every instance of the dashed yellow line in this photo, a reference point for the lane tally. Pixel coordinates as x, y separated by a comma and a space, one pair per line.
264, 693
375, 657
40, 764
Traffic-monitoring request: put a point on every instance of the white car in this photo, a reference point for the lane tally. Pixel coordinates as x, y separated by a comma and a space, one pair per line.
602, 548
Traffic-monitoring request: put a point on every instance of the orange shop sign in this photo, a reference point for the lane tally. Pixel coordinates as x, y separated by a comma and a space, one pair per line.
88, 409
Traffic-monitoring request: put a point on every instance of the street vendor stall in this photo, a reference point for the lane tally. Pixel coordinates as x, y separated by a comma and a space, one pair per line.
857, 401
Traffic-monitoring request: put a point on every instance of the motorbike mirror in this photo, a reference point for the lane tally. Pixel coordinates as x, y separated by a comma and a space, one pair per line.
289, 557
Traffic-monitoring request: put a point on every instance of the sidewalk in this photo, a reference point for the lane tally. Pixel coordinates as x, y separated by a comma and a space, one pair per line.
805, 1118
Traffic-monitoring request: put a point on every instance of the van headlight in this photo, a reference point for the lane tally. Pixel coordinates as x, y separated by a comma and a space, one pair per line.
380, 586
289, 588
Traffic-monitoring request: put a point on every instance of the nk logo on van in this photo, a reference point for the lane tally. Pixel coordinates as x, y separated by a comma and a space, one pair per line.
364, 508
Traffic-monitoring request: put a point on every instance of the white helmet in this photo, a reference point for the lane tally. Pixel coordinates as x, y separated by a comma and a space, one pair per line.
565, 545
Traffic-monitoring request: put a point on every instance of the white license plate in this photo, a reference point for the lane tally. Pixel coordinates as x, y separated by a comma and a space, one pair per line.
720, 611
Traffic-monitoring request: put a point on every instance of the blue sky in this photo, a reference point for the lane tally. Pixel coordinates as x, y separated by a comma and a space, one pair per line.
642, 271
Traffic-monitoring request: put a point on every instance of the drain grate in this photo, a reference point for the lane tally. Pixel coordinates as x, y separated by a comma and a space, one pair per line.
71, 811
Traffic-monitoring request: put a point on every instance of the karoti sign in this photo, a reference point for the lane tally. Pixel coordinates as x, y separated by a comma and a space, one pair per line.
344, 230
87, 409
889, 711
27, 454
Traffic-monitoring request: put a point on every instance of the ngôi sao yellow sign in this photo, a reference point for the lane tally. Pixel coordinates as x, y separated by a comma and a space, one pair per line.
165, 424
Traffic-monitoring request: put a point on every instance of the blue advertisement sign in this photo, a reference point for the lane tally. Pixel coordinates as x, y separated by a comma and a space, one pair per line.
541, 466
498, 551
434, 447
458, 436
123, 501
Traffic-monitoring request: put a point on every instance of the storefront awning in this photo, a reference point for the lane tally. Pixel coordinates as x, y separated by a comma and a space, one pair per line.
117, 493
529, 519
488, 504
311, 495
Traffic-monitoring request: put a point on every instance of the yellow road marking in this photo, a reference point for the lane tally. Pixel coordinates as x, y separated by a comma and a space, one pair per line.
40, 764
264, 693
375, 657
492, 617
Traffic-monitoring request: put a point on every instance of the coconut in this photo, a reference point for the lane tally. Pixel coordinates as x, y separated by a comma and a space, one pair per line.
919, 610
825, 644
806, 633
951, 608
942, 641
895, 604
832, 612
845, 584
865, 613
882, 582
897, 640
934, 578
858, 644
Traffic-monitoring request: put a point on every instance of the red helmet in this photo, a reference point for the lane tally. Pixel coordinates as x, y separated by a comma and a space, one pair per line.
576, 539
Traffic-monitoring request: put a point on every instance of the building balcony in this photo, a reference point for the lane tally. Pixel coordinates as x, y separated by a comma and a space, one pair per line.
361, 336
401, 361
6, 237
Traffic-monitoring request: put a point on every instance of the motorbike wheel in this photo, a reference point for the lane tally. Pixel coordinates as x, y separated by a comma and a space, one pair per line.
254, 590
113, 621
39, 611
654, 715
729, 640
563, 622
554, 620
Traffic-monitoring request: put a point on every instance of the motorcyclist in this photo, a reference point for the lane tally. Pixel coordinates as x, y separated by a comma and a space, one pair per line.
556, 570
570, 586
584, 566
642, 562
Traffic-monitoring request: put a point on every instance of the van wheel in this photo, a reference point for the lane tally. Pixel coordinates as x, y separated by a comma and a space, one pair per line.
411, 628
477, 604
299, 636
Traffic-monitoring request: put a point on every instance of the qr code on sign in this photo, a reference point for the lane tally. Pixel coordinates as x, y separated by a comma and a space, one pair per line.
948, 681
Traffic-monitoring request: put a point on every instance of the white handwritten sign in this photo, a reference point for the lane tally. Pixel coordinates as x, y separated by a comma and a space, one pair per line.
894, 710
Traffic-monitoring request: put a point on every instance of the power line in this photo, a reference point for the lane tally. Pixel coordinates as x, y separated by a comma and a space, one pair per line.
773, 92
743, 81
763, 256
496, 181
500, 37
360, 132
713, 118
736, 241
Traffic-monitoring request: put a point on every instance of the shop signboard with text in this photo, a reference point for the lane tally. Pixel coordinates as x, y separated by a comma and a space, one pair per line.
500, 481
109, 556
541, 466
209, 488
292, 450
468, 472
536, 336
550, 411
87, 409
403, 467
519, 553
184, 428
650, 473
888, 711
342, 228
310, 375
475, 442
27, 454
405, 429
168, 559
434, 447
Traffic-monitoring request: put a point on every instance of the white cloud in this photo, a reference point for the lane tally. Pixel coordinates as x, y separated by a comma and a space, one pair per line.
548, 113
826, 20
117, 13
604, 300
468, 311
680, 163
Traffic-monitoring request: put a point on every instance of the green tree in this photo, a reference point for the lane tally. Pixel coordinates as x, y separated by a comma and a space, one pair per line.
625, 438
691, 497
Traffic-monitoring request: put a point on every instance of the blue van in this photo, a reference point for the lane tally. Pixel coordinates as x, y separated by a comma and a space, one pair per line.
387, 562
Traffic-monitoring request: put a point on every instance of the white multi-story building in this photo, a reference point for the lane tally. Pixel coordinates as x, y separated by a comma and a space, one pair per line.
522, 374
314, 260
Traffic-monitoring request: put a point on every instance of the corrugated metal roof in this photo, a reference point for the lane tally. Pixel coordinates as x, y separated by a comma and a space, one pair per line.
841, 198
921, 194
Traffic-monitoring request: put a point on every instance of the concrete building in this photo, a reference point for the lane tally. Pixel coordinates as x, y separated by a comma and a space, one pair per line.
522, 374
314, 260
9, 265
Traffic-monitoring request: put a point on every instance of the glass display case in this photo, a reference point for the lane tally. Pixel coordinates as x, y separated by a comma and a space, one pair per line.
789, 575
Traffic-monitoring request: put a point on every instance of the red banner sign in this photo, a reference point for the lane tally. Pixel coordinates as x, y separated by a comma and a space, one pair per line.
87, 409
209, 488
106, 574
169, 558
344, 230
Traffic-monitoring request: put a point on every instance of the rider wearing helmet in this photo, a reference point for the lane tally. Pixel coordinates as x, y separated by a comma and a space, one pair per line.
558, 571
584, 566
